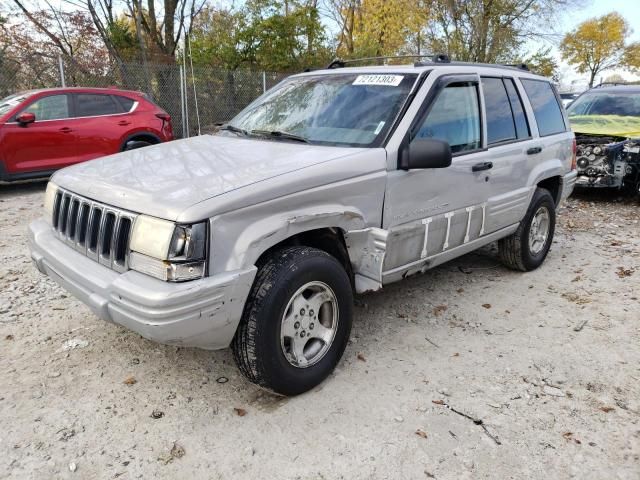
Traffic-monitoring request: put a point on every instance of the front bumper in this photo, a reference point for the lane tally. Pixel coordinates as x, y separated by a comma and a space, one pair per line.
568, 184
200, 313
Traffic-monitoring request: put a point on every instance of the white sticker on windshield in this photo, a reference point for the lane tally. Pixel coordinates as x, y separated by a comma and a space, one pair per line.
379, 128
388, 80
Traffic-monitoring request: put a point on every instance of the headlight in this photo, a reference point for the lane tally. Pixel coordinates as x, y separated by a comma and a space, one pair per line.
50, 198
167, 251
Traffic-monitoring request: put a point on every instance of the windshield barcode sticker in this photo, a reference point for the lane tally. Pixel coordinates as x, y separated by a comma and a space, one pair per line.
387, 80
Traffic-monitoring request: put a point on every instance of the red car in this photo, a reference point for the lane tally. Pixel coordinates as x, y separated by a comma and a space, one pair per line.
43, 130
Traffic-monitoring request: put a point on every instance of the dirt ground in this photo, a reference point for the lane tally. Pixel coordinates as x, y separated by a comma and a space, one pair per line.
469, 371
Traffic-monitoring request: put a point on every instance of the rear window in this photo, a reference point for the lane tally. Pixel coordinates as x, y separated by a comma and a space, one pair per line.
91, 105
545, 106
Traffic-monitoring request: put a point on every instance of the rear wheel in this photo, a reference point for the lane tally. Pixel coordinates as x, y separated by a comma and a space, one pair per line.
135, 144
527, 248
296, 322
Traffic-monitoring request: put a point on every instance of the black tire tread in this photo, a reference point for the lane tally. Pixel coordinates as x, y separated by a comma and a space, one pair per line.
510, 248
269, 271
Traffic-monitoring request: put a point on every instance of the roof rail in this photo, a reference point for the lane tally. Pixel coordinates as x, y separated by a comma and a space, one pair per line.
435, 58
610, 84
521, 66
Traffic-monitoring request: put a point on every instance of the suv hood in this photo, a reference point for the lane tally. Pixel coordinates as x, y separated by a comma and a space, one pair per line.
163, 180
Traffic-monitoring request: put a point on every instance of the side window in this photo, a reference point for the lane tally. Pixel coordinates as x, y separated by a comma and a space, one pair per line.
91, 105
455, 118
125, 102
54, 107
545, 106
519, 117
500, 124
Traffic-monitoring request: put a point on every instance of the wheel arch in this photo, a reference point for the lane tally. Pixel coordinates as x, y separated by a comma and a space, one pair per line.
142, 136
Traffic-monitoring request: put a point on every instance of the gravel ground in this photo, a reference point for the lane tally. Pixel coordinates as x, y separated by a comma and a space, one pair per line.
468, 371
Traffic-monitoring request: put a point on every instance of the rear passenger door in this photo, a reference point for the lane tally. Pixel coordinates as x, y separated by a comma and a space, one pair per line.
511, 151
100, 123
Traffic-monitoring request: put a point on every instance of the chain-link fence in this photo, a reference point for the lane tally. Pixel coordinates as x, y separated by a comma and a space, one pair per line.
195, 99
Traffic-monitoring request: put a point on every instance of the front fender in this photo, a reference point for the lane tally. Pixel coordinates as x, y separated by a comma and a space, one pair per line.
250, 238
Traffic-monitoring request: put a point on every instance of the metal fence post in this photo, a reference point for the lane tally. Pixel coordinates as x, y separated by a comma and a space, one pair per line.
182, 109
61, 68
264, 81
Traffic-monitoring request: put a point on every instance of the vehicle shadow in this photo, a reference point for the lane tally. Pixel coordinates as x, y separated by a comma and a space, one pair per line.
605, 195
212, 377
15, 189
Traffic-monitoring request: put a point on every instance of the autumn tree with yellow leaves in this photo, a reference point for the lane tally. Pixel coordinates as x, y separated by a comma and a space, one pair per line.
601, 44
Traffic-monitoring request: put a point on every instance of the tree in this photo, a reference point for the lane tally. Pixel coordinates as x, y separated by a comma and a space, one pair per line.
600, 44
264, 34
543, 63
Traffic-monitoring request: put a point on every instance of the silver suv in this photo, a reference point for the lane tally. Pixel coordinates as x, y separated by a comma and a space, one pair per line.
334, 182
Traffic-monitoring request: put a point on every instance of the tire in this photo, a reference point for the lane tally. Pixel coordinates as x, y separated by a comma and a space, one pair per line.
135, 144
516, 250
263, 355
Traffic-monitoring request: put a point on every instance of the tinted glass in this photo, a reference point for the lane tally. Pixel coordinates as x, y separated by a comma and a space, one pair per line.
626, 104
455, 118
337, 109
89, 105
545, 106
519, 117
125, 103
54, 107
500, 126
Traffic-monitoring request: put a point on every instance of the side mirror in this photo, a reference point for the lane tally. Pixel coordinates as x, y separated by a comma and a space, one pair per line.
25, 118
428, 153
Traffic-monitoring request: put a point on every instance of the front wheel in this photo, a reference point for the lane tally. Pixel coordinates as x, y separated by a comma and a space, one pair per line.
527, 248
296, 322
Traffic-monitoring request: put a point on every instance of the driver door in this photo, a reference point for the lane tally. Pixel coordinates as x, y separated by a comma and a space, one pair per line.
46, 144
432, 212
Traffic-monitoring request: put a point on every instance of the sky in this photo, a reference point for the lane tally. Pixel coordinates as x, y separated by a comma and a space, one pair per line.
629, 9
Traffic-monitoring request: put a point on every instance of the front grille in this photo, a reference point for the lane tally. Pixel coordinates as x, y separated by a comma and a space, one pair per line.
97, 230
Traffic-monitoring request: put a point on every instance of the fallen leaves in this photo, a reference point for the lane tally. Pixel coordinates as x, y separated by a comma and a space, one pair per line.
439, 310
9, 337
131, 380
606, 408
568, 436
421, 433
241, 412
438, 402
176, 451
360, 356
157, 414
624, 272
486, 305
575, 298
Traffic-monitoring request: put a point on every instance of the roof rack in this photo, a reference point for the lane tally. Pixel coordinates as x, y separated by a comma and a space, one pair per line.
520, 66
435, 58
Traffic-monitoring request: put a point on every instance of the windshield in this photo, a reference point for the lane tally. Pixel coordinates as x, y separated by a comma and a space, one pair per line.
606, 103
337, 109
11, 101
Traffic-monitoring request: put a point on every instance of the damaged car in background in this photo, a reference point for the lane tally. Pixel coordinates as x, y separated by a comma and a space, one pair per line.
606, 121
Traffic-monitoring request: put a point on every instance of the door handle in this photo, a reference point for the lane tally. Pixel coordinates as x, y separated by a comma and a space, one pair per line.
66, 130
124, 123
478, 167
534, 150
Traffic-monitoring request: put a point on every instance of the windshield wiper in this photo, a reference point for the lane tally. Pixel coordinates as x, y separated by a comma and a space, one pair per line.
280, 134
231, 128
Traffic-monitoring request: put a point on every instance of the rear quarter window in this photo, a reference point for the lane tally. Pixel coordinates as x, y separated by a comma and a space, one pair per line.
546, 108
125, 102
